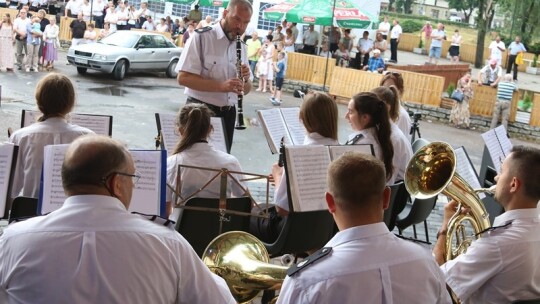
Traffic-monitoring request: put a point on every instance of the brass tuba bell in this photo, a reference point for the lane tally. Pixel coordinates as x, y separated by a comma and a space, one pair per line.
243, 262
432, 171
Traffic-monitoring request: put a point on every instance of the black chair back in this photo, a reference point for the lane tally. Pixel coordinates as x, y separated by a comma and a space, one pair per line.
533, 301
303, 231
199, 228
23, 208
398, 199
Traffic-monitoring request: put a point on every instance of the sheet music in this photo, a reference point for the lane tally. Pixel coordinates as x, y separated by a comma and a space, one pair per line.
217, 137
465, 169
6, 163
52, 194
148, 194
274, 128
307, 168
498, 145
296, 128
100, 124
168, 136
337, 151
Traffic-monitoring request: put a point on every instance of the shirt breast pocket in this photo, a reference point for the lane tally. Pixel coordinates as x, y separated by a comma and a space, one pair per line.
211, 68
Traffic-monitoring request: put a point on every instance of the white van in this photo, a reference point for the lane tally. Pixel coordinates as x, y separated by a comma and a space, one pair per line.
455, 18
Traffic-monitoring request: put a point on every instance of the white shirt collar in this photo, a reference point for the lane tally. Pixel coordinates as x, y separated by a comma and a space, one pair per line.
96, 200
518, 214
357, 233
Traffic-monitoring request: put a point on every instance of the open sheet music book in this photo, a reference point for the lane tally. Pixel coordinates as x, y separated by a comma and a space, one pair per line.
169, 138
8, 160
148, 194
465, 169
100, 124
498, 145
282, 122
306, 173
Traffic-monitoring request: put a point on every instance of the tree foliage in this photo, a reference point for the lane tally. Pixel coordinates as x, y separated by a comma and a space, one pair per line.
466, 6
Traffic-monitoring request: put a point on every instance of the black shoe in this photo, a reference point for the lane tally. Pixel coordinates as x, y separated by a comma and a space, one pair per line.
19, 68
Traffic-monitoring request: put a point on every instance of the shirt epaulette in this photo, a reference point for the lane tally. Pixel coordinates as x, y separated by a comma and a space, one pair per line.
323, 252
203, 29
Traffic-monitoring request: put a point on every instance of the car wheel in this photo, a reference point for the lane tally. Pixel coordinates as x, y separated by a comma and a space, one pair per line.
171, 69
81, 70
119, 71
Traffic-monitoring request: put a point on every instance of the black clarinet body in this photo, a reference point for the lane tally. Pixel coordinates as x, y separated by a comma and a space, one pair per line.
240, 111
281, 159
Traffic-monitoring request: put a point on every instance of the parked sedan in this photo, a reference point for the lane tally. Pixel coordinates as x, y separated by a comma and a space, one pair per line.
125, 51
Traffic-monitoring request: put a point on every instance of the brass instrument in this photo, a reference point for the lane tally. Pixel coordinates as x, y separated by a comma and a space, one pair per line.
240, 115
432, 171
243, 262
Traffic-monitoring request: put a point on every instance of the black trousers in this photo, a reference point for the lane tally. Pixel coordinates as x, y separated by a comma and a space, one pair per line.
309, 49
228, 114
512, 62
393, 49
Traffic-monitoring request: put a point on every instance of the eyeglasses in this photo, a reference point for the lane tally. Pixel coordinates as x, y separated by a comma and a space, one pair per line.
134, 177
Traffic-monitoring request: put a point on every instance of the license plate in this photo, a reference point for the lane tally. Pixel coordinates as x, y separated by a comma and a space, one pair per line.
82, 61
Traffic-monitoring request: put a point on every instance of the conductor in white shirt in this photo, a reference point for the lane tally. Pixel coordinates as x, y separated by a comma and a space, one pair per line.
364, 260
92, 250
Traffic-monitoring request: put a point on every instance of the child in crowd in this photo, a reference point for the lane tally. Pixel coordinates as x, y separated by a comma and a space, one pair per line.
342, 56
279, 68
324, 51
36, 29
90, 35
262, 71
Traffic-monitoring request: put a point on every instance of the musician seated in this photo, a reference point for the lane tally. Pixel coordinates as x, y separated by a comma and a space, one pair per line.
364, 260
55, 98
92, 250
193, 149
319, 115
502, 265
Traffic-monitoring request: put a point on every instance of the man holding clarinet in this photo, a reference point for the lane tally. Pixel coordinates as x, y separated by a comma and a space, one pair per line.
211, 69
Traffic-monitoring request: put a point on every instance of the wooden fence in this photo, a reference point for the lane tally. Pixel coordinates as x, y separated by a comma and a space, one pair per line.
309, 68
419, 88
467, 51
484, 100
535, 111
65, 31
450, 72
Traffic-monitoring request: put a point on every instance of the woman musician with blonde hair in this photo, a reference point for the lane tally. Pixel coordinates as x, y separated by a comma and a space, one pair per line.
193, 149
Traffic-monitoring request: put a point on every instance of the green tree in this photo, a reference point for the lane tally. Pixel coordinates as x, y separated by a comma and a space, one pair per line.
466, 6
522, 18
486, 11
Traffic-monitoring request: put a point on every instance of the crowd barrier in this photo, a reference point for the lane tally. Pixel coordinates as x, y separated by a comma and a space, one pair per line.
65, 31
450, 72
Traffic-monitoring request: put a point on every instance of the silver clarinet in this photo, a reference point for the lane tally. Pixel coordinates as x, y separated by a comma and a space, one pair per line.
240, 113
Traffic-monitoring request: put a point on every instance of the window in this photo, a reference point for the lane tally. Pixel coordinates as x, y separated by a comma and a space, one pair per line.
265, 24
180, 10
209, 10
160, 42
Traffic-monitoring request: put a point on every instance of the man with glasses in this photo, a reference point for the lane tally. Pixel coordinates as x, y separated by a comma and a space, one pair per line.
93, 250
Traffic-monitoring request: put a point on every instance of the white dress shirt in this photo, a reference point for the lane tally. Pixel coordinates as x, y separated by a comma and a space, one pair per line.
92, 250
384, 27
402, 152
31, 141
495, 51
396, 32
404, 122
202, 155
503, 265
281, 199
213, 56
368, 264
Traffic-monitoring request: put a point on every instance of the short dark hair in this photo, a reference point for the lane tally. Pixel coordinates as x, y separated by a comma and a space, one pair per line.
355, 179
90, 158
55, 95
526, 165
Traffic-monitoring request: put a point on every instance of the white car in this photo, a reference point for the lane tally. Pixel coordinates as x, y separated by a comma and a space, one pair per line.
455, 18
124, 51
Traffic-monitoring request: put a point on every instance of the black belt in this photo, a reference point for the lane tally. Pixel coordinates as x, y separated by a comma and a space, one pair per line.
211, 106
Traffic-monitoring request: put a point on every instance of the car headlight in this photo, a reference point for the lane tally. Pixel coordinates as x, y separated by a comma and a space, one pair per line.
71, 51
100, 57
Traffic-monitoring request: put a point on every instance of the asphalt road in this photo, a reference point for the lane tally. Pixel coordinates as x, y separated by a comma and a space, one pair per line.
134, 101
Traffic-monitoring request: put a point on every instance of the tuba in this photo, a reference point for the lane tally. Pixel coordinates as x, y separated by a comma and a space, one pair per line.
432, 171
243, 262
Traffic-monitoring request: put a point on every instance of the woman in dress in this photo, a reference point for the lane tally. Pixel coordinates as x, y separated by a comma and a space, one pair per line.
459, 116
368, 117
404, 120
194, 126
50, 35
454, 47
288, 42
42, 15
55, 98
7, 38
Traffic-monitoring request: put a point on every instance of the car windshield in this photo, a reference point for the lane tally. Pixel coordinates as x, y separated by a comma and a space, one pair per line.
121, 39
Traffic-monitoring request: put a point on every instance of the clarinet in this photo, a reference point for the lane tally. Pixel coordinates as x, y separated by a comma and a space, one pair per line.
240, 113
281, 159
